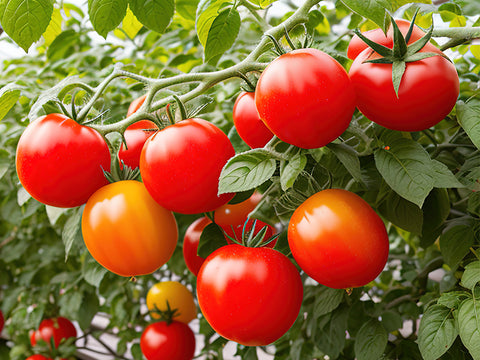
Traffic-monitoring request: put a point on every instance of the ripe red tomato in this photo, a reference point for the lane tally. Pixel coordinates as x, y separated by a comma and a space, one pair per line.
357, 45
59, 162
2, 321
38, 357
135, 137
338, 239
190, 244
305, 98
180, 166
249, 295
126, 231
428, 91
174, 341
249, 126
135, 104
59, 328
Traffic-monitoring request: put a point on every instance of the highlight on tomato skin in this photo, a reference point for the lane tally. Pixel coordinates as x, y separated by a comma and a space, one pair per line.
190, 244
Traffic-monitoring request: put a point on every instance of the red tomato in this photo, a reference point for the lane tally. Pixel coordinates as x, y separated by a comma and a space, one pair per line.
2, 321
305, 98
338, 239
59, 162
135, 104
161, 341
190, 244
249, 295
135, 137
38, 357
428, 91
59, 328
357, 45
180, 166
126, 231
249, 126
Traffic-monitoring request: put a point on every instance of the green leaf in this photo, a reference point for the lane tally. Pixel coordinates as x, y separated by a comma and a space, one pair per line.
436, 209
391, 320
93, 272
374, 10
289, 170
444, 178
467, 115
246, 171
62, 44
25, 21
9, 95
86, 312
330, 336
402, 213
222, 34
327, 300
407, 168
262, 3
453, 299
437, 332
455, 244
106, 15
371, 341
349, 158
187, 8
471, 275
469, 326
5, 162
153, 14
130, 24
212, 238
207, 12
72, 230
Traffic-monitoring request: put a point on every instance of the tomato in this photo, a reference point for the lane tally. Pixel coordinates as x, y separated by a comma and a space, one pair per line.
58, 328
180, 166
126, 231
249, 126
357, 45
428, 91
338, 239
38, 357
135, 137
229, 214
249, 295
305, 98
59, 162
2, 321
135, 104
174, 341
177, 296
190, 244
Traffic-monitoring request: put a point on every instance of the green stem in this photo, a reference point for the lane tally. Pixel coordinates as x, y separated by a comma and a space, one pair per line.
253, 10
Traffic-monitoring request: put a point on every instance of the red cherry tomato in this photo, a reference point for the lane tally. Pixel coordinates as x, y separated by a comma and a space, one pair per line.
428, 91
126, 231
249, 126
2, 321
190, 244
59, 162
135, 137
357, 45
180, 166
305, 98
338, 239
174, 341
135, 104
249, 295
59, 328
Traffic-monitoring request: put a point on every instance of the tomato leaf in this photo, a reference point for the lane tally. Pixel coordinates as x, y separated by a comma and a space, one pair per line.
25, 21
402, 213
327, 299
289, 170
330, 335
471, 275
106, 15
5, 162
72, 230
207, 12
246, 171
211, 239
467, 115
407, 168
262, 3
374, 10
371, 341
455, 243
468, 318
92, 271
222, 34
453, 299
444, 178
89, 308
156, 15
9, 95
187, 8
349, 158
437, 332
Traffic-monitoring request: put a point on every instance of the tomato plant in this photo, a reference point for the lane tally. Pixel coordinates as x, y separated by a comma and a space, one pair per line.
126, 231
58, 329
190, 244
53, 163
249, 126
174, 341
178, 297
305, 98
180, 166
249, 295
338, 239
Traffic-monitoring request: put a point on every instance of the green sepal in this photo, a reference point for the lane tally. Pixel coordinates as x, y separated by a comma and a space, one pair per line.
378, 48
398, 69
399, 42
420, 43
423, 55
379, 61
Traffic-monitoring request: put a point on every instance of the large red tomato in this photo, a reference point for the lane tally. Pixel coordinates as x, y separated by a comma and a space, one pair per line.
58, 328
38, 357
180, 166
249, 295
190, 244
338, 239
428, 91
249, 126
174, 341
59, 162
305, 98
357, 45
126, 231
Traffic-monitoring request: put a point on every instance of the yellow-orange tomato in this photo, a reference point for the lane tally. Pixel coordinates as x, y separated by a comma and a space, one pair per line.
178, 297
127, 231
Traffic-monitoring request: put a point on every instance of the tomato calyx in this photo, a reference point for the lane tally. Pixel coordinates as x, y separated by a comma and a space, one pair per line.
249, 84
119, 171
249, 238
167, 315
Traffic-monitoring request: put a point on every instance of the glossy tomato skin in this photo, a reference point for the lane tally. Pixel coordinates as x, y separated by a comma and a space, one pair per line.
58, 328
59, 162
305, 98
161, 341
249, 295
38, 357
135, 104
190, 244
135, 137
178, 297
180, 166
249, 126
338, 239
126, 231
428, 91
357, 45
